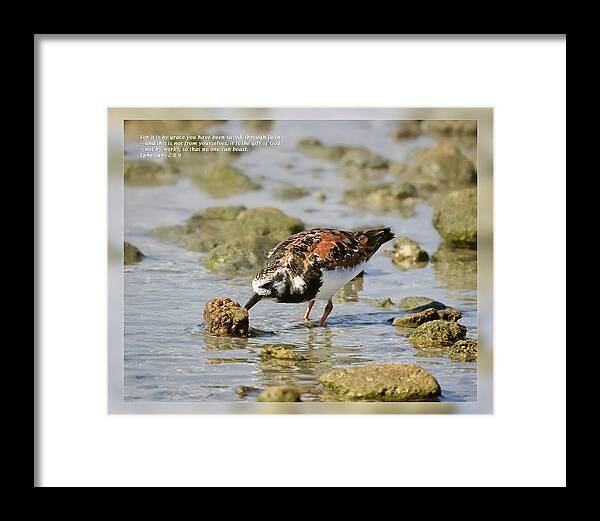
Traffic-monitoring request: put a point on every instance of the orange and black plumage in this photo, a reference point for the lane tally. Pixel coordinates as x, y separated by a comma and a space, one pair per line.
314, 264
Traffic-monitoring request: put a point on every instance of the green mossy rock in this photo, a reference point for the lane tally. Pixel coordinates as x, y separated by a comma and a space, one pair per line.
257, 125
437, 333
455, 217
235, 238
280, 352
225, 317
290, 193
131, 254
443, 167
280, 393
450, 127
427, 315
238, 256
383, 198
222, 180
356, 163
383, 382
465, 350
407, 130
147, 173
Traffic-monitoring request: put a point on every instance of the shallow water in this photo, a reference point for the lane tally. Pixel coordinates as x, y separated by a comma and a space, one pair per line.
168, 356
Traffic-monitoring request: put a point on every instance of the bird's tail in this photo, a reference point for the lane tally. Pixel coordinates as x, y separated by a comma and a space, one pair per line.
376, 238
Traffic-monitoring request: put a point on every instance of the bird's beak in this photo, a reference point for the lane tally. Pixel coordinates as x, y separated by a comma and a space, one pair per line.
253, 300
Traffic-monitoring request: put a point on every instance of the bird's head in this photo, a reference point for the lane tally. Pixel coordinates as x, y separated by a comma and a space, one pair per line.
268, 283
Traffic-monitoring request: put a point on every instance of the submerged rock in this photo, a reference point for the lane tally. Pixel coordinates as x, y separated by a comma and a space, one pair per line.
455, 267
408, 254
455, 217
243, 390
289, 193
314, 148
280, 393
412, 302
398, 196
147, 173
320, 196
280, 352
235, 238
225, 317
465, 350
450, 127
385, 302
441, 167
427, 315
383, 382
222, 180
437, 333
407, 130
131, 254
257, 125
357, 163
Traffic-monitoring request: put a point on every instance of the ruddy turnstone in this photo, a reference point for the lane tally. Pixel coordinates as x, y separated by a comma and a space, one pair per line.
315, 264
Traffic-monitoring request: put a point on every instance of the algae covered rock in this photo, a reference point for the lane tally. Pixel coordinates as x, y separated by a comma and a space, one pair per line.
243, 390
314, 148
408, 129
427, 315
399, 196
437, 333
222, 180
383, 382
131, 254
237, 256
441, 167
147, 173
280, 352
408, 253
225, 317
257, 125
235, 238
289, 193
465, 350
450, 127
356, 163
280, 393
455, 217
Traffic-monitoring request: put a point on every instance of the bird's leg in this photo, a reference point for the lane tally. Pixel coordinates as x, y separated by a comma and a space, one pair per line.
309, 307
326, 313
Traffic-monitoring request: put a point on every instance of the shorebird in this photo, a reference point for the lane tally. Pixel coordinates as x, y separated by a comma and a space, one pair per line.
315, 264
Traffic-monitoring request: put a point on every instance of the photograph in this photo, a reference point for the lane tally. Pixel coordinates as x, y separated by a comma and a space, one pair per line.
301, 260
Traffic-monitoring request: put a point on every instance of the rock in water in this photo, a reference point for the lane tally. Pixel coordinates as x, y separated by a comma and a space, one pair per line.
222, 180
427, 315
225, 317
383, 382
465, 350
437, 333
280, 393
280, 352
455, 217
131, 254
408, 254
